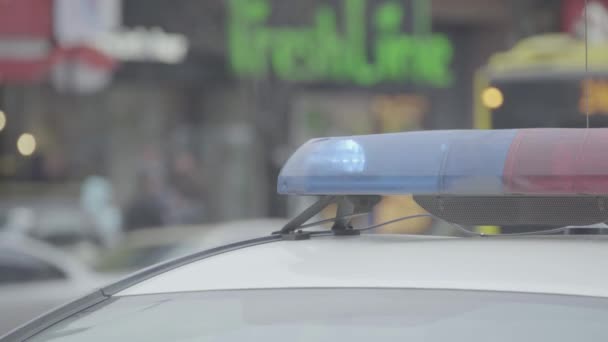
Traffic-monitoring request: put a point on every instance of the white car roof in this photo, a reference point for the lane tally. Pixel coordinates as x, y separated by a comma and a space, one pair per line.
569, 265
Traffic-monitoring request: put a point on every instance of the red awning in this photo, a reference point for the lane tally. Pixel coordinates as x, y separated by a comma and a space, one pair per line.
26, 18
36, 70
27, 52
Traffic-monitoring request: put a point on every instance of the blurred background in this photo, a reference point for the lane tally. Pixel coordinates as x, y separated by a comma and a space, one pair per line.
139, 130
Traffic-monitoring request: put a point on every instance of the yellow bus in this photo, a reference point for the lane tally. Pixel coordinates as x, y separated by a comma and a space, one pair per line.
542, 82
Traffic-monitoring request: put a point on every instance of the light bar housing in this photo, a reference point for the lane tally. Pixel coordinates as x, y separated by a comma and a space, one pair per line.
560, 162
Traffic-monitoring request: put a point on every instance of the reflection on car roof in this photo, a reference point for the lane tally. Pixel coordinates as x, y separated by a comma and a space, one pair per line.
539, 265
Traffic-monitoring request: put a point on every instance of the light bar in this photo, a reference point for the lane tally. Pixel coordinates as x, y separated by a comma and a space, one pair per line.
458, 162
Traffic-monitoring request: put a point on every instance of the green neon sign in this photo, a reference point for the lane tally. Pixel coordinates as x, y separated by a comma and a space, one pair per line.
325, 51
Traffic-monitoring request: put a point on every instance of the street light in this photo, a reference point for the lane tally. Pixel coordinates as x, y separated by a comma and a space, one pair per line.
492, 97
26, 144
2, 120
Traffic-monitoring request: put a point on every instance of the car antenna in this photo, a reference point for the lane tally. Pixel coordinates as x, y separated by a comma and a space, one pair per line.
587, 95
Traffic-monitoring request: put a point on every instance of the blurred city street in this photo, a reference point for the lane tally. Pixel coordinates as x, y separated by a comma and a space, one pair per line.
137, 131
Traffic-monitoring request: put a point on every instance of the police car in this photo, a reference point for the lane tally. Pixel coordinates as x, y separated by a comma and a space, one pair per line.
304, 283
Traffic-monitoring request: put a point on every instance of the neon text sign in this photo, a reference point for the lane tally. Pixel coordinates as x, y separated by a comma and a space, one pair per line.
327, 51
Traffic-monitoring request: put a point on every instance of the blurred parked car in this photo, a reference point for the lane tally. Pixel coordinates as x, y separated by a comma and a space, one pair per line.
146, 247
36, 277
64, 226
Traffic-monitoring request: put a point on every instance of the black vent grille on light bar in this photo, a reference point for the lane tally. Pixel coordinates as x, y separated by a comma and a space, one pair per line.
513, 210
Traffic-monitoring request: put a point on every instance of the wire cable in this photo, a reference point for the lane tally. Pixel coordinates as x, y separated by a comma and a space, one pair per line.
534, 232
587, 95
393, 221
455, 225
333, 219
472, 233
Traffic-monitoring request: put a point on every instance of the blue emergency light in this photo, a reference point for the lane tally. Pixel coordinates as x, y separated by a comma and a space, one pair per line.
456, 162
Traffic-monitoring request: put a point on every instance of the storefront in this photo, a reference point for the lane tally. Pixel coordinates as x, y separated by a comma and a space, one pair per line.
259, 77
